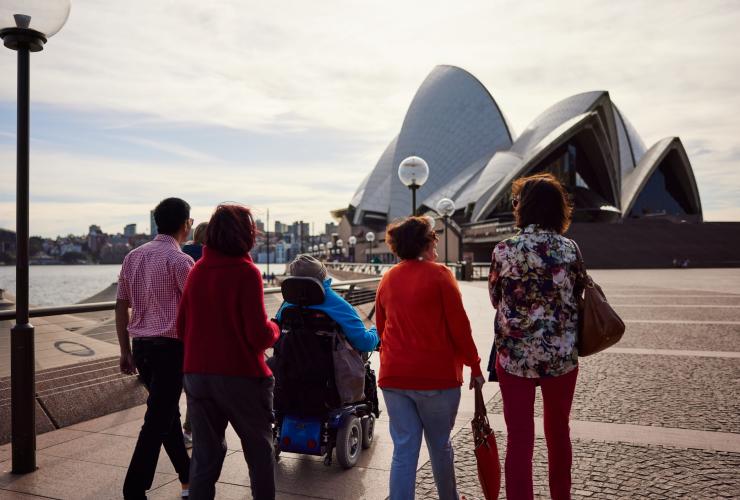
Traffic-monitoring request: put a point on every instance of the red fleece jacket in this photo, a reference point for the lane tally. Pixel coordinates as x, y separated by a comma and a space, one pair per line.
424, 331
222, 318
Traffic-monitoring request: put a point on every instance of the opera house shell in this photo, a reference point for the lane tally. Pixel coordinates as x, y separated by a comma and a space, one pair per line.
455, 124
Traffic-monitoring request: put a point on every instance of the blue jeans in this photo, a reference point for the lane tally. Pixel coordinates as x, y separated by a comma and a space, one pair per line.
410, 413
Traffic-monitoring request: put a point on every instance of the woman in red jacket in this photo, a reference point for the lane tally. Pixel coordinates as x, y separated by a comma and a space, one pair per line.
425, 340
224, 326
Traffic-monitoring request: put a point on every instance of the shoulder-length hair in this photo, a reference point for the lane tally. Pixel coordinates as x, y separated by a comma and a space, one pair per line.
541, 199
231, 230
409, 237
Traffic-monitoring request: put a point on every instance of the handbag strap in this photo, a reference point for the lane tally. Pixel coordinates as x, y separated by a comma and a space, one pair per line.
480, 405
582, 272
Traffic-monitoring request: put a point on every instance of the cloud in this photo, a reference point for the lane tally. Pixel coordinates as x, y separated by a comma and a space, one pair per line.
70, 191
291, 103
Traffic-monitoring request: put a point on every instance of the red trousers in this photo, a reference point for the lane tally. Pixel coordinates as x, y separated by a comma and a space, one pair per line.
518, 395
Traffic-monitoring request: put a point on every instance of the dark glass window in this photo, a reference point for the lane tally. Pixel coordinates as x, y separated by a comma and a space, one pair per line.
663, 194
572, 167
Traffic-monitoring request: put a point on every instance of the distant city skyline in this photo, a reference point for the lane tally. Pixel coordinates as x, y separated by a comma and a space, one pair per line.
298, 102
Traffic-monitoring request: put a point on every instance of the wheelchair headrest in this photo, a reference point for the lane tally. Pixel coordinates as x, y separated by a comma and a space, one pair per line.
303, 291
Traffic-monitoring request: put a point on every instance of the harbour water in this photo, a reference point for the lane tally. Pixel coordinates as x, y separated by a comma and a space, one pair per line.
59, 285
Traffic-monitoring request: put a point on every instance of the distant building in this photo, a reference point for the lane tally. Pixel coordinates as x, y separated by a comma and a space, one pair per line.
279, 253
152, 224
330, 228
584, 140
281, 228
66, 248
95, 239
260, 225
129, 230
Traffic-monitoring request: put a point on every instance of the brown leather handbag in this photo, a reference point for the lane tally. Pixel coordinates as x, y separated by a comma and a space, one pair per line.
599, 325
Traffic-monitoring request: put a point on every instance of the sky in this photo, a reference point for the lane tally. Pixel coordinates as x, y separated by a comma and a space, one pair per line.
287, 105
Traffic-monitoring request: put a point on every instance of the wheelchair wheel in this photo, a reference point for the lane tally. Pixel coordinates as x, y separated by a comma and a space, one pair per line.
368, 431
349, 441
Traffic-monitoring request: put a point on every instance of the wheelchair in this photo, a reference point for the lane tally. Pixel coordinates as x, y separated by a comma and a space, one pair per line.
310, 418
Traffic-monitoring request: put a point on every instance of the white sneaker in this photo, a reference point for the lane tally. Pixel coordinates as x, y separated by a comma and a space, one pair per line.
185, 493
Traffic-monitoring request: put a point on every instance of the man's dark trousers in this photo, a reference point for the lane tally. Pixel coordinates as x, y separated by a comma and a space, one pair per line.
159, 362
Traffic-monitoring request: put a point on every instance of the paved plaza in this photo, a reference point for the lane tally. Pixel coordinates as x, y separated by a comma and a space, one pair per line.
654, 417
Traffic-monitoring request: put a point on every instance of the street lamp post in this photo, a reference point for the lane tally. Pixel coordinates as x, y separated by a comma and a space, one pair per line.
370, 238
329, 251
25, 27
321, 249
445, 208
340, 248
352, 240
413, 173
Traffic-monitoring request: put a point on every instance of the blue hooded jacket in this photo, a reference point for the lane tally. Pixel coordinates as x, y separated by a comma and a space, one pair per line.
338, 309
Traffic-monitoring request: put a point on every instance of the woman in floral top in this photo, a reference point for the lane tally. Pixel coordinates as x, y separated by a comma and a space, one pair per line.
533, 288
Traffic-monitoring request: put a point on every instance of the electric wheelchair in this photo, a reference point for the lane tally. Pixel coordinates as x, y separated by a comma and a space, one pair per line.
309, 415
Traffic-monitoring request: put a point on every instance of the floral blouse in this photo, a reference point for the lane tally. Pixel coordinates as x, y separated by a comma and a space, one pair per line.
532, 286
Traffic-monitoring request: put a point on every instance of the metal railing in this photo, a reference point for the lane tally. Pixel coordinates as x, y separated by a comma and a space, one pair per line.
356, 292
479, 270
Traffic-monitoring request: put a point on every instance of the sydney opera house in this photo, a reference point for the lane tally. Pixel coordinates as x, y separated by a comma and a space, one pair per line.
456, 125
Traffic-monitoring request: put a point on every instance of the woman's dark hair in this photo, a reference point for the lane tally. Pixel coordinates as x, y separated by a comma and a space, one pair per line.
170, 215
408, 238
541, 199
231, 230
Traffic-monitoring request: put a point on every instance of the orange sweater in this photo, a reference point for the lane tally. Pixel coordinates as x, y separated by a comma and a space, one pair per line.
425, 333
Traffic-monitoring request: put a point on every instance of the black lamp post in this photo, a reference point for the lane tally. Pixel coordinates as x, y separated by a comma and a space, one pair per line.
25, 27
413, 173
370, 238
445, 208
352, 240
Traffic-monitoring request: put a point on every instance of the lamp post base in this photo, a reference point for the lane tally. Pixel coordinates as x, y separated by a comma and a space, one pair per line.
23, 396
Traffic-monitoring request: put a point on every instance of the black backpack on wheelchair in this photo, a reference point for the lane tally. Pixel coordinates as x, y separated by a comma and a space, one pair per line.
310, 417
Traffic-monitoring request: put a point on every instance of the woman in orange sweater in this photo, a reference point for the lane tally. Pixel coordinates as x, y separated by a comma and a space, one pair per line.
425, 340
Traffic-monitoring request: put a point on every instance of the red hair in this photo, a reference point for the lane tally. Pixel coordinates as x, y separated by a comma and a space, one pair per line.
231, 230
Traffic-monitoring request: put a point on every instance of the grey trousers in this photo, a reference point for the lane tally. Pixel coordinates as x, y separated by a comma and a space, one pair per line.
245, 402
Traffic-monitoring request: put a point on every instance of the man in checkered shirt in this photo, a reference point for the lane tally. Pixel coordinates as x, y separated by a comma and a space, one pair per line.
150, 284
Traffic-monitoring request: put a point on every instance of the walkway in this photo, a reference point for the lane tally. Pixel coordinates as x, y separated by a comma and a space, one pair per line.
654, 417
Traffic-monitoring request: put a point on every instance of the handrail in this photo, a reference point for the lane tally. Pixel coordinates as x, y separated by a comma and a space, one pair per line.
38, 312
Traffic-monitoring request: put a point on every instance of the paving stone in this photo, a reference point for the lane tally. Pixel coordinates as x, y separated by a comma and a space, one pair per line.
627, 471
665, 391
686, 313
700, 337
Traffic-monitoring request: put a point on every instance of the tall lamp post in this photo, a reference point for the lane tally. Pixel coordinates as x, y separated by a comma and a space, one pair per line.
329, 251
352, 240
25, 27
340, 248
445, 208
370, 238
321, 249
413, 172
267, 240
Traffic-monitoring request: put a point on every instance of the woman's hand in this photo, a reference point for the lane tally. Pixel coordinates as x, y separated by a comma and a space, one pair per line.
477, 382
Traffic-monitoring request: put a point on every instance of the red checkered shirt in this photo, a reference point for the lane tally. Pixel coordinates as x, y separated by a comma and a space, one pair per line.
152, 279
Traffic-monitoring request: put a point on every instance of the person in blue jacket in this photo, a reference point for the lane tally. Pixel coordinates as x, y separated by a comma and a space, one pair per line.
363, 339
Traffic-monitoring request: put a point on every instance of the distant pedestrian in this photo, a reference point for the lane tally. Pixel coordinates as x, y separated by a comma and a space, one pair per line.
224, 325
425, 340
195, 250
533, 287
151, 282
